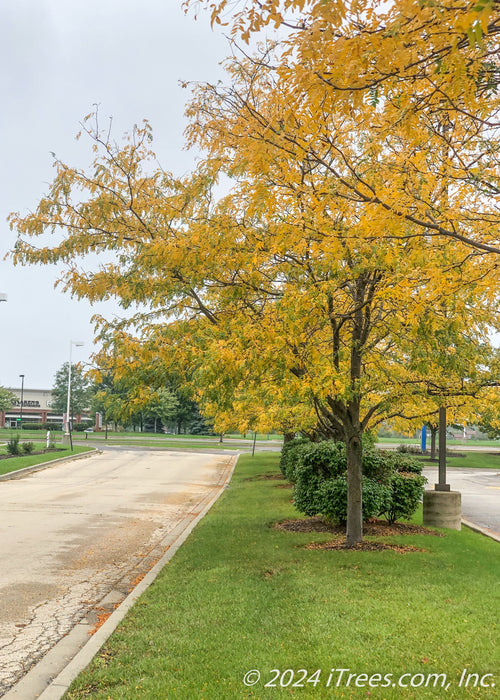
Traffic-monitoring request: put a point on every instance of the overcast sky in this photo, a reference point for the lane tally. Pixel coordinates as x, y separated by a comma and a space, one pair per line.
58, 58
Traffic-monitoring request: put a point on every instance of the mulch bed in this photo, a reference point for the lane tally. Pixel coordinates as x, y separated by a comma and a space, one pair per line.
372, 528
365, 546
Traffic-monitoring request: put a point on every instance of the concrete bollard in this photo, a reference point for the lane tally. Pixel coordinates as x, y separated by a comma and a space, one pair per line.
443, 509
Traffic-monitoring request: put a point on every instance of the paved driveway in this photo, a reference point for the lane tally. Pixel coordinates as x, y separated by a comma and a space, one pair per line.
76, 531
480, 489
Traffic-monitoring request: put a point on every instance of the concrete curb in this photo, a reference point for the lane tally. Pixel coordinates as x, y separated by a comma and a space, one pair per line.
45, 465
79, 661
482, 530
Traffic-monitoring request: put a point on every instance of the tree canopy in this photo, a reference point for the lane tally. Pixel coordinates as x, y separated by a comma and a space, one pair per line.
431, 69
6, 398
332, 261
82, 390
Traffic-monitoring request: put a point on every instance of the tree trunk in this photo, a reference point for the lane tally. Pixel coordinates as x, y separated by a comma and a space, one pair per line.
354, 448
433, 441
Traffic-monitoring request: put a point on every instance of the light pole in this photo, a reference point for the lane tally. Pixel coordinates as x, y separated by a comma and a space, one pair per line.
22, 401
67, 437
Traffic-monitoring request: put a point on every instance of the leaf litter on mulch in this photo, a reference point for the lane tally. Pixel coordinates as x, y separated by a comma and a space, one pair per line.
372, 528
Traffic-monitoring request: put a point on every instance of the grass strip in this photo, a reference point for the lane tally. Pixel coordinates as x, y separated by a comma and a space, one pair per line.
471, 460
15, 463
241, 595
171, 444
7, 433
451, 442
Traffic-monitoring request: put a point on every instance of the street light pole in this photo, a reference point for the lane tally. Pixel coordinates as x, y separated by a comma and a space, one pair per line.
67, 436
22, 401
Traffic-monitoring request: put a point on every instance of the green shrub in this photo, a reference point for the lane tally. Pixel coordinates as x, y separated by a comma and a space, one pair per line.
331, 499
290, 455
327, 459
409, 449
306, 491
404, 462
324, 459
13, 446
406, 491
32, 426
378, 466
28, 447
392, 484
369, 439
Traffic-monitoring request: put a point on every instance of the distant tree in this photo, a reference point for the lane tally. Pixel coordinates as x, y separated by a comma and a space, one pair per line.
6, 398
489, 419
162, 407
82, 390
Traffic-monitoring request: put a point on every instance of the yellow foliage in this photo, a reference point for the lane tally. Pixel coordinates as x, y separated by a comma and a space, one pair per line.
349, 274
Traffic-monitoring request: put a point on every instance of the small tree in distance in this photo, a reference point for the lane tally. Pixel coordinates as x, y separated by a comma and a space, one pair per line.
82, 390
6, 398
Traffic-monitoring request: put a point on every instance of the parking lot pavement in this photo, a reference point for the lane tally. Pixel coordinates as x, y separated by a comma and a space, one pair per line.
77, 532
480, 489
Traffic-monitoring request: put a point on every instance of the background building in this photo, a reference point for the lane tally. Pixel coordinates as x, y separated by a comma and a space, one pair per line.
36, 409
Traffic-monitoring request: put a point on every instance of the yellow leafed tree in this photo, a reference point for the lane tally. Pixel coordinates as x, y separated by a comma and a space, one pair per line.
351, 266
279, 299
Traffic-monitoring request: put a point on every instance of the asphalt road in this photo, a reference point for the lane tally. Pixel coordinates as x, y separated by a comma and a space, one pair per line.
74, 533
480, 489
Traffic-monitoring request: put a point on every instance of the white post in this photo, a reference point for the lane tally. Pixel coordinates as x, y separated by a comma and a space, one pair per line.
66, 436
66, 427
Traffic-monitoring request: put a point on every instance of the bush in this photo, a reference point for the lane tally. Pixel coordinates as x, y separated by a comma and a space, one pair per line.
406, 491
331, 499
392, 482
369, 439
328, 459
45, 426
324, 459
290, 455
13, 446
409, 449
51, 426
378, 466
404, 463
28, 447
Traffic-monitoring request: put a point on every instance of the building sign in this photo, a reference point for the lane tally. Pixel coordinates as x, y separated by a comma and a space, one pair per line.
26, 404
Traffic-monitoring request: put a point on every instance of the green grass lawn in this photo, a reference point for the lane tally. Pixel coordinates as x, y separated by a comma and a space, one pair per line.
450, 442
15, 463
171, 444
241, 595
473, 460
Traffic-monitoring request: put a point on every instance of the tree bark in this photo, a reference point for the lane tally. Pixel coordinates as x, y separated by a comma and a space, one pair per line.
433, 441
354, 449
